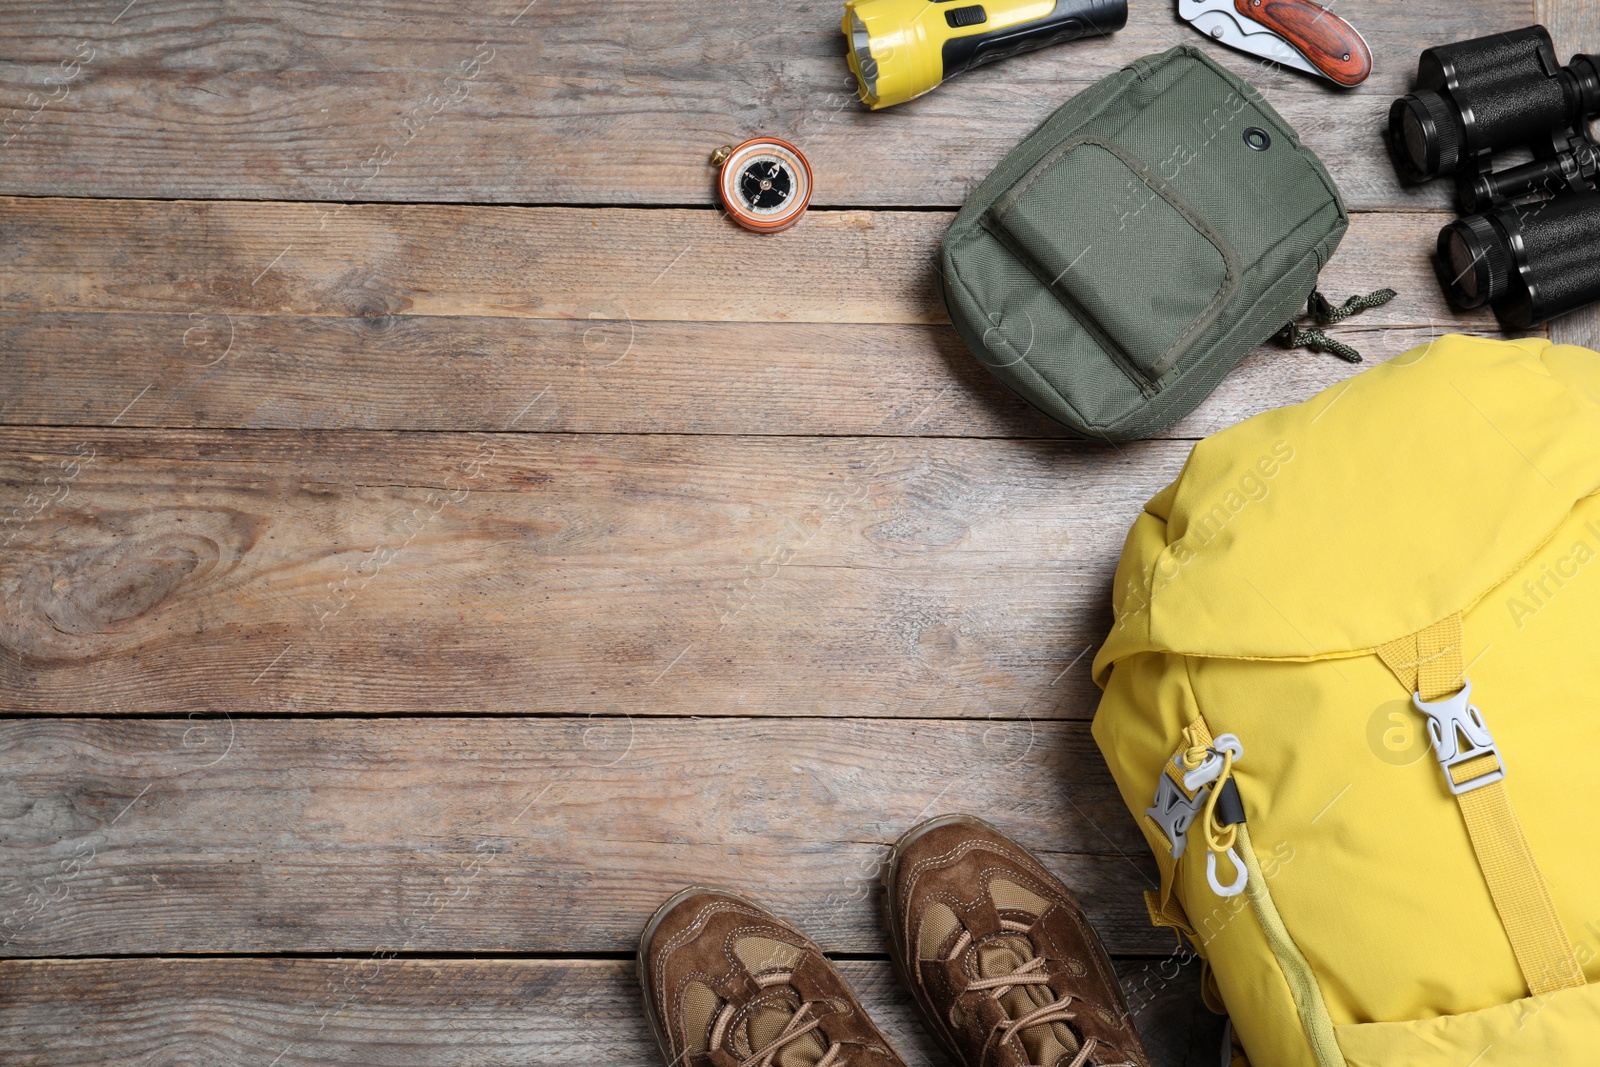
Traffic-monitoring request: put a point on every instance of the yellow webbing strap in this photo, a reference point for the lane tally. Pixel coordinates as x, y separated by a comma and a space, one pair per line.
1430, 664
1165, 909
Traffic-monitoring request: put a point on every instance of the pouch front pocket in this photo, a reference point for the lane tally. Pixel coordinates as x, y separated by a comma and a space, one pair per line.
1122, 249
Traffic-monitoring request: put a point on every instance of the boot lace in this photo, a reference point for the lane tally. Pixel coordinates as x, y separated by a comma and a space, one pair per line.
1030, 973
801, 1023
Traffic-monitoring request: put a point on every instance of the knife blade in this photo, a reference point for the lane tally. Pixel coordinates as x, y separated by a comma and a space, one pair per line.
1296, 33
1224, 27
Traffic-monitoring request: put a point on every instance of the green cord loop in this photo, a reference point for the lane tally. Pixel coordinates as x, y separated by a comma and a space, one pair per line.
1326, 314
1317, 341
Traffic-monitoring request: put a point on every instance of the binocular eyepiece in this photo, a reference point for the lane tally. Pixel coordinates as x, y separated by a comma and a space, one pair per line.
1527, 246
1488, 95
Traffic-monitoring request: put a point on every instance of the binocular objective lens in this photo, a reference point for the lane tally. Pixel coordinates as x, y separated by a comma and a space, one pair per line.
1463, 269
1415, 140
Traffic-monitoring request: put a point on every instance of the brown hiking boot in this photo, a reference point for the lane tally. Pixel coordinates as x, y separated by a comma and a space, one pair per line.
998, 956
729, 984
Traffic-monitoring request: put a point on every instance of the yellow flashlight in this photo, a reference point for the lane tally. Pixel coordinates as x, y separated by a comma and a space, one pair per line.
899, 49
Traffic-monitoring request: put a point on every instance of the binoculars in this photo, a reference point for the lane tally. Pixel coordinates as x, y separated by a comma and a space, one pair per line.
1529, 244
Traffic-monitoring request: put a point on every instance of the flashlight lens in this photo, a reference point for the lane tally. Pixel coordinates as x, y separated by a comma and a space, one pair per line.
866, 66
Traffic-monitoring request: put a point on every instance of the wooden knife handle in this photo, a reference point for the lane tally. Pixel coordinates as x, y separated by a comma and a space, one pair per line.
1331, 44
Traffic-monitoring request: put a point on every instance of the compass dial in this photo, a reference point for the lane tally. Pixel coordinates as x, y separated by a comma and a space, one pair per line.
765, 185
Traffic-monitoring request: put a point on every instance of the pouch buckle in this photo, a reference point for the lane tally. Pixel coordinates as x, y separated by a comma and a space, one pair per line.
1174, 812
1460, 735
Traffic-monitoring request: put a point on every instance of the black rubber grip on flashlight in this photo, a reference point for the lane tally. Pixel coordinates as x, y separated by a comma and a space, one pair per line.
1070, 20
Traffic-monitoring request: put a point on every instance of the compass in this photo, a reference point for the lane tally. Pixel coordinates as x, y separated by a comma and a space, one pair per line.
765, 183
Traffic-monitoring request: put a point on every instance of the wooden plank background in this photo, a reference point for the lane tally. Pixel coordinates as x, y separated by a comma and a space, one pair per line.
430, 534
422, 1013
561, 832
568, 102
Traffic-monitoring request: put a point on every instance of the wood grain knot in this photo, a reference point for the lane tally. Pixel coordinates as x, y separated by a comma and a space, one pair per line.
917, 533
126, 569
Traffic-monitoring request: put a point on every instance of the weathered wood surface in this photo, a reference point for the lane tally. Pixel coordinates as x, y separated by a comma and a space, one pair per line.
439, 1013
203, 314
730, 612
166, 571
406, 372
582, 103
614, 265
1581, 327
168, 836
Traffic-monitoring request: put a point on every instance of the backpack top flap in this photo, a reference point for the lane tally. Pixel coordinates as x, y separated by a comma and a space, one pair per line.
1366, 513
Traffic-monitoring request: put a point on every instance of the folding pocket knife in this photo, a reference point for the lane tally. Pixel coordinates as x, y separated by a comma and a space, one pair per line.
1296, 33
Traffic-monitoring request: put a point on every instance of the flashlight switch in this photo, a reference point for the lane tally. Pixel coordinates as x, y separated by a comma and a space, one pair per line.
971, 15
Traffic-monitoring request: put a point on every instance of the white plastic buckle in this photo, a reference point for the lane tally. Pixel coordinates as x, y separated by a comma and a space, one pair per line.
1211, 767
1174, 812
1459, 735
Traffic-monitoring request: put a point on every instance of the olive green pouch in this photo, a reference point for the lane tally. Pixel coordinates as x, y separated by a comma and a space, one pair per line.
1134, 247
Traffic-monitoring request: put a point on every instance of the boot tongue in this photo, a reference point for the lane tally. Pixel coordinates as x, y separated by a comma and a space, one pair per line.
1046, 1043
765, 1025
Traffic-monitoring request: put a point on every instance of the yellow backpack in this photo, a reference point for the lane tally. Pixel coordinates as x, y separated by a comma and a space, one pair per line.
1368, 625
